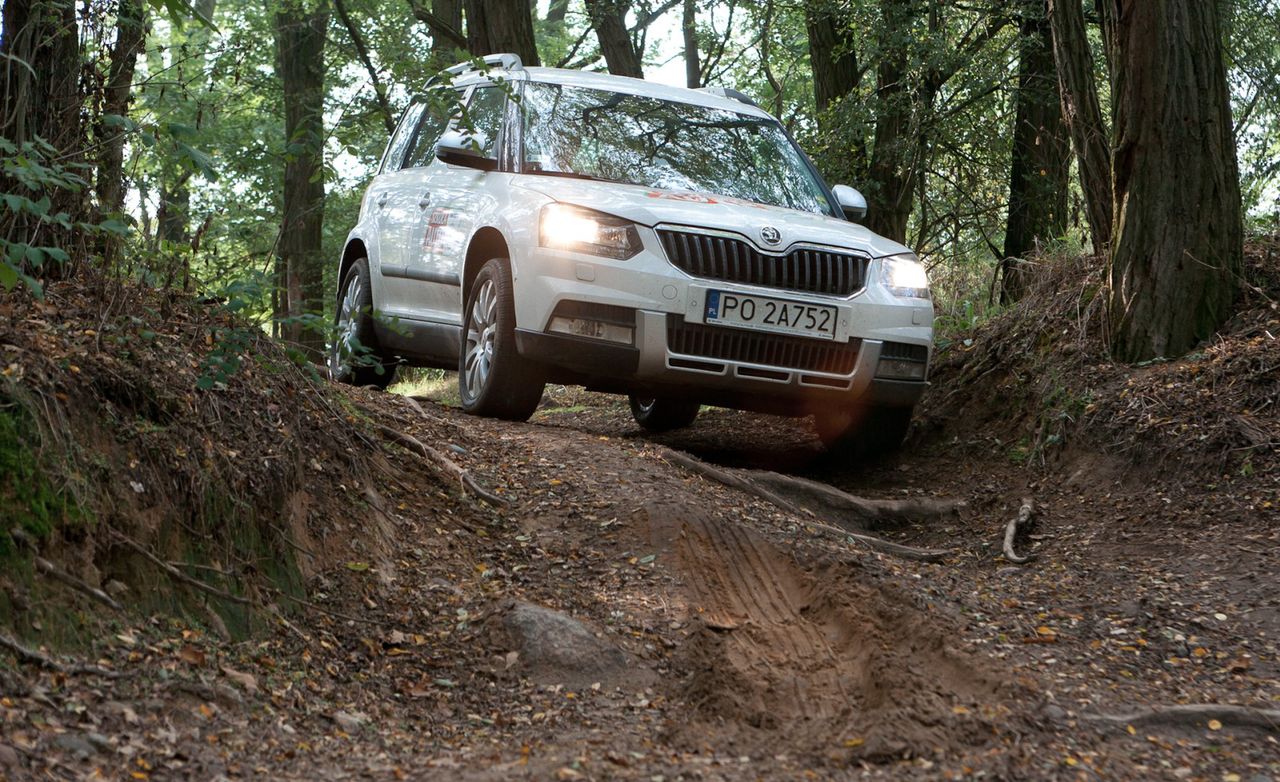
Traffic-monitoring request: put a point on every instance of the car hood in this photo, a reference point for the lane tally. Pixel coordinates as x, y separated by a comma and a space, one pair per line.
652, 206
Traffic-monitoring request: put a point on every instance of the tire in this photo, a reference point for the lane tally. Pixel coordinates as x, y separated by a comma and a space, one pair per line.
353, 325
662, 415
494, 380
864, 433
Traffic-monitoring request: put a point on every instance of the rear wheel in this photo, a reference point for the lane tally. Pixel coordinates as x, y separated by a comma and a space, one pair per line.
354, 356
864, 432
494, 380
662, 415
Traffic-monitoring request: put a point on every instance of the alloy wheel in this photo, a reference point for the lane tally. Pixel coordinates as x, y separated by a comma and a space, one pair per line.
482, 330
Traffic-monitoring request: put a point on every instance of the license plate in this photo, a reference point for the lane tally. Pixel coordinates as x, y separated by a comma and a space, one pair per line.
768, 314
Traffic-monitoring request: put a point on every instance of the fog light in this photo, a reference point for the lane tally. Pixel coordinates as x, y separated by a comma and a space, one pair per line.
898, 369
592, 329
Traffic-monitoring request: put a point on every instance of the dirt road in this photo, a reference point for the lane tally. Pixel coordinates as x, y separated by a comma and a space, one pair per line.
623, 618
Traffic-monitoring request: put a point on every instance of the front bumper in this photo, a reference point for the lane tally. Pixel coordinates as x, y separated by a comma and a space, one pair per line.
663, 361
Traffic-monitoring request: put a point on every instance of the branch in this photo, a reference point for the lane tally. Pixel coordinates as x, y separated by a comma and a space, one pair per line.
363, 50
845, 529
1011, 532
439, 27
176, 574
49, 569
464, 477
1195, 716
653, 16
32, 656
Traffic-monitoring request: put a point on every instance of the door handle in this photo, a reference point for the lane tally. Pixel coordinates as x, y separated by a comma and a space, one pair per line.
382, 199
425, 201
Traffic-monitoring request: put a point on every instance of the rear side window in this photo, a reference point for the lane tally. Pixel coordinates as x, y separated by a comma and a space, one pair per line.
401, 138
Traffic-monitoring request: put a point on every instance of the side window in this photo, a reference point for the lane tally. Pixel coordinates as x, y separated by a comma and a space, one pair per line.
434, 121
484, 114
400, 140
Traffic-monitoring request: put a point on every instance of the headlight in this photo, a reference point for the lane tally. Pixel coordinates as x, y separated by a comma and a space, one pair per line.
582, 230
904, 276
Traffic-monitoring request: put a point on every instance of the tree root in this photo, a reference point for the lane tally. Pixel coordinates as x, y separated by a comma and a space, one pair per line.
176, 574
37, 658
860, 507
412, 443
1195, 716
1025, 513
752, 485
53, 571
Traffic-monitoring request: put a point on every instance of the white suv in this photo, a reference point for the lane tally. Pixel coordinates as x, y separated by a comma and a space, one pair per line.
675, 245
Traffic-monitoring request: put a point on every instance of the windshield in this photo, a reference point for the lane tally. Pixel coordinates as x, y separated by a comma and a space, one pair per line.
581, 132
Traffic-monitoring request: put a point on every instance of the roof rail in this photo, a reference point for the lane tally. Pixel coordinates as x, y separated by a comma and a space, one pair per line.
731, 94
506, 61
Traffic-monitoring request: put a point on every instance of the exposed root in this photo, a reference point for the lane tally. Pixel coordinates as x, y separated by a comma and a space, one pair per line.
844, 528
1196, 715
53, 571
1025, 513
176, 574
464, 477
37, 658
871, 510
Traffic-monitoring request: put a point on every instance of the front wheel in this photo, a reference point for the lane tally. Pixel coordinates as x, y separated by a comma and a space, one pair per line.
662, 415
494, 380
354, 356
864, 433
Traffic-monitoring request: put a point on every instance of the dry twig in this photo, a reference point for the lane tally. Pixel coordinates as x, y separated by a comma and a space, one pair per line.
176, 574
32, 656
1196, 715
53, 571
1011, 531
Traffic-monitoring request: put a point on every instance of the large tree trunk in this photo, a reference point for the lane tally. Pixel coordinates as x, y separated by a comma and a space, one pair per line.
1083, 114
609, 18
300, 39
1041, 162
1178, 239
689, 31
831, 54
495, 26
40, 97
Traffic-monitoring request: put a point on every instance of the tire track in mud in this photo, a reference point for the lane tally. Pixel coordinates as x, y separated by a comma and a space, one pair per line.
825, 660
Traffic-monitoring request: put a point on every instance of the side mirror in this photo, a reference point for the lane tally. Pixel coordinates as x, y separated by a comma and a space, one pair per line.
851, 201
459, 148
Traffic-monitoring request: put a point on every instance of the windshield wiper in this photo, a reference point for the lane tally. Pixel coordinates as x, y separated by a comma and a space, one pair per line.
568, 175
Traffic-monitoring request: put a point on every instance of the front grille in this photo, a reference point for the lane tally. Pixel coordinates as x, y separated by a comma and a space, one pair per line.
806, 269
903, 351
749, 347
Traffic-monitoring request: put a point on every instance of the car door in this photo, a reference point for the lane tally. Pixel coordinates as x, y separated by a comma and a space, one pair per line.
401, 200
458, 198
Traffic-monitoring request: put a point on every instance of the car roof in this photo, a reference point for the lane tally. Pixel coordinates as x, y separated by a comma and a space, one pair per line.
612, 83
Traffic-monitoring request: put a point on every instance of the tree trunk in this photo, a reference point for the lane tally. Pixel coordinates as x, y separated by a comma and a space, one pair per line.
496, 26
41, 98
130, 37
831, 55
1041, 162
609, 18
689, 29
300, 39
892, 175
173, 218
1083, 115
1178, 235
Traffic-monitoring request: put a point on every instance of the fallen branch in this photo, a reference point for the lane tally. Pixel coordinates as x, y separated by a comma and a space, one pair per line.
1196, 716
871, 510
58, 574
1011, 531
32, 656
176, 574
844, 529
464, 477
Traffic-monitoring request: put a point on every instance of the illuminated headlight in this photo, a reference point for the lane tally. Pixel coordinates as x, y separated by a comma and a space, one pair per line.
904, 276
582, 230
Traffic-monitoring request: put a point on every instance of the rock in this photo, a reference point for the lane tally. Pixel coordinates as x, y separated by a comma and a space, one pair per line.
76, 744
1053, 712
100, 741
552, 642
115, 588
9, 759
349, 722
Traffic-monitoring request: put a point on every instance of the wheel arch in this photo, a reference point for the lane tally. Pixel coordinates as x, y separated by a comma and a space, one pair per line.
486, 244
355, 249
